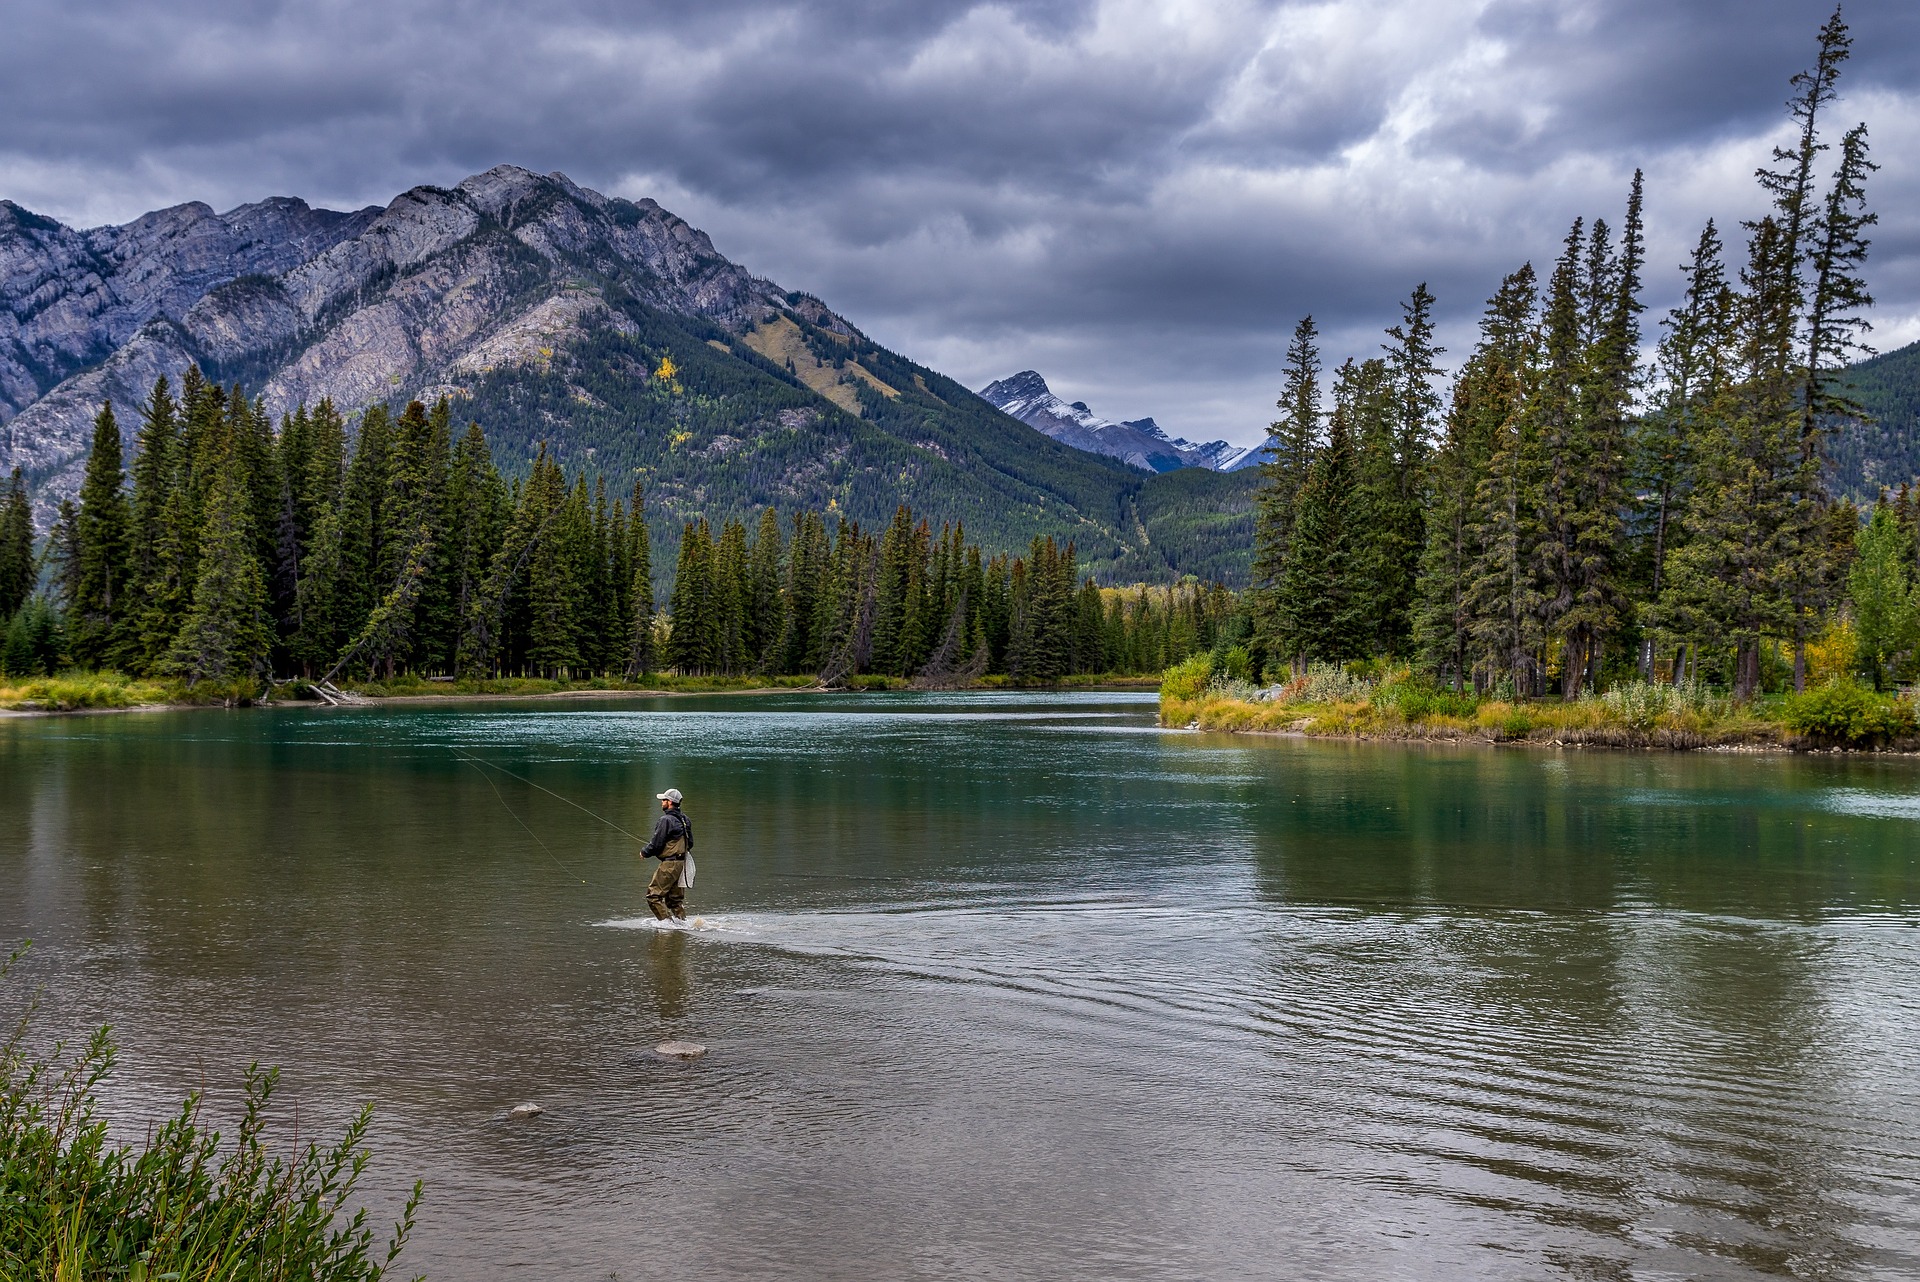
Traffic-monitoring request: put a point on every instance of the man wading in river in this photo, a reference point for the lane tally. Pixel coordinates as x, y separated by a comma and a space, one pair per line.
671, 844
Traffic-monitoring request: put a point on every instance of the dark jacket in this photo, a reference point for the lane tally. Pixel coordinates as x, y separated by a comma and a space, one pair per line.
672, 837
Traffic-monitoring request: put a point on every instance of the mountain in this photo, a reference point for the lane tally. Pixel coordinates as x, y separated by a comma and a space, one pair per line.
1140, 443
609, 330
1884, 452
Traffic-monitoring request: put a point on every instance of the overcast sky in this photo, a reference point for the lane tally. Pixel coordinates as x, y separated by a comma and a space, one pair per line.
1137, 199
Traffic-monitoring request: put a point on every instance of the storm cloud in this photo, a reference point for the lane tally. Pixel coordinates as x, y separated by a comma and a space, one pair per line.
1138, 199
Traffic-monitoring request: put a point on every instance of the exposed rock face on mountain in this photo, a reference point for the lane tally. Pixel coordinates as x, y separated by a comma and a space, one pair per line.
608, 332
305, 303
1141, 442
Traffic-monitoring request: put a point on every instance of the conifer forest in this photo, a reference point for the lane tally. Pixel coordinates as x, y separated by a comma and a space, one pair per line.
1576, 514
238, 549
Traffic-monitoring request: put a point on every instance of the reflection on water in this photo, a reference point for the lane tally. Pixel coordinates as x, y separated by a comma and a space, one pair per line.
1007, 986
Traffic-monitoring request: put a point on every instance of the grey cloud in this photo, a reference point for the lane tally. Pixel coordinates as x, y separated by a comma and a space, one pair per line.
1139, 201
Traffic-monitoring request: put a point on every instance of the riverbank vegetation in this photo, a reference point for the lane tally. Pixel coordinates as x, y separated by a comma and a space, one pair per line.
1580, 544
1396, 702
182, 1204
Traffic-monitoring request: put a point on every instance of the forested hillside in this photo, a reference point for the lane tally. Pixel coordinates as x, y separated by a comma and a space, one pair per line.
727, 432
1883, 451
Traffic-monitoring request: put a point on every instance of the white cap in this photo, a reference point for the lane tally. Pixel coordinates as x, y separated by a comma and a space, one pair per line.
671, 794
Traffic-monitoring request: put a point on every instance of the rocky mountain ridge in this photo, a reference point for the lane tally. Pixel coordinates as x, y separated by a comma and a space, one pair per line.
607, 332
300, 303
1140, 443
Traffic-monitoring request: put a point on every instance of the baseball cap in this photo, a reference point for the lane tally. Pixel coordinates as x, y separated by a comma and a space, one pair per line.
671, 794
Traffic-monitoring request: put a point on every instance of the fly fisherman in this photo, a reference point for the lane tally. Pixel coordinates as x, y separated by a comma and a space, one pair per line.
672, 845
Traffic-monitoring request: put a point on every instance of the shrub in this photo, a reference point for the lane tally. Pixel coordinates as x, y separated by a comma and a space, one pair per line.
1326, 683
1641, 704
1187, 680
1843, 714
74, 1206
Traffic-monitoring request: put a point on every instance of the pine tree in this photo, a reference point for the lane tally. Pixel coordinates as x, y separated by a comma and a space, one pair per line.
1486, 397
17, 571
97, 612
641, 653
364, 530
1290, 445
729, 598
1396, 516
892, 633
227, 630
1320, 619
764, 623
1377, 522
555, 595
693, 638
807, 568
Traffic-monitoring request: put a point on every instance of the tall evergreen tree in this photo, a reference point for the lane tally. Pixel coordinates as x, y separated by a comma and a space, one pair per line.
97, 613
17, 570
1486, 397
693, 639
1290, 445
641, 653
227, 631
1320, 619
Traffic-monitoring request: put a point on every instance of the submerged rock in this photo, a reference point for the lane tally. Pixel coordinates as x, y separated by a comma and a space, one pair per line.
526, 1110
680, 1050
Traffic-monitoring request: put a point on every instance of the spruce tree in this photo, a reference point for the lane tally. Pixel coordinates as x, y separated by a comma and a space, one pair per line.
227, 631
1290, 444
17, 571
1693, 368
1486, 397
764, 623
1319, 617
641, 653
97, 613
693, 637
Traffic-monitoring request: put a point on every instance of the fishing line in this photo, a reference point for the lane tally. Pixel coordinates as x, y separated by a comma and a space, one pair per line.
556, 796
475, 762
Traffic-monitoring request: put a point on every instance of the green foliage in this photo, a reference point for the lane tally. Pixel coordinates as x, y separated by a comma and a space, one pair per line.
180, 1205
1642, 704
1846, 715
34, 642
1881, 446
1886, 602
1188, 678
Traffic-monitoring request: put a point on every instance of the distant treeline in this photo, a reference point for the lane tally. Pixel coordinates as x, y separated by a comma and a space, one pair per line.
240, 551
1573, 517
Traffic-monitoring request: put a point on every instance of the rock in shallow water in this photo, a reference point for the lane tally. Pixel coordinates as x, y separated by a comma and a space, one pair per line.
526, 1110
681, 1050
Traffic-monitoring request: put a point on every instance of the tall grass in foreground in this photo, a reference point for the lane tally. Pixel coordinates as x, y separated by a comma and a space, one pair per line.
181, 1207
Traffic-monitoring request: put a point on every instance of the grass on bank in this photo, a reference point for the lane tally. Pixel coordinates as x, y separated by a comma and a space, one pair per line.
1333, 701
181, 1205
77, 691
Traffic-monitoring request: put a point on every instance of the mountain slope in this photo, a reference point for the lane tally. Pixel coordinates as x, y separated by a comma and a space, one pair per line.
1140, 443
1886, 451
608, 329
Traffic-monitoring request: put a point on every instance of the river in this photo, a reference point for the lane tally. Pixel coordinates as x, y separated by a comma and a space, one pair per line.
1007, 986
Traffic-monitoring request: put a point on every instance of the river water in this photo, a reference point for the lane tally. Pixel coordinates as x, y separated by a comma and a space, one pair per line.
1007, 986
